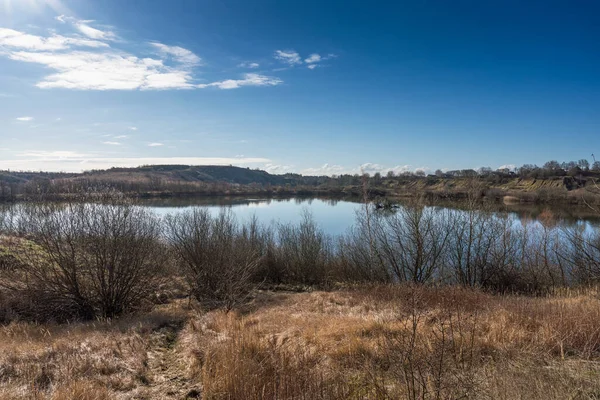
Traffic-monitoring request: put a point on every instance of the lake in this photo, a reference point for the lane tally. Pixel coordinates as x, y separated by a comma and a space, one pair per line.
335, 217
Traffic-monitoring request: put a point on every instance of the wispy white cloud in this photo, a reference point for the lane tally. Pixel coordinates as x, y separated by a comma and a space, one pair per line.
155, 144
179, 54
11, 39
133, 128
85, 28
57, 154
112, 143
248, 80
325, 169
94, 33
249, 65
313, 58
121, 136
289, 57
25, 119
104, 71
75, 162
366, 168
508, 166
277, 168
81, 63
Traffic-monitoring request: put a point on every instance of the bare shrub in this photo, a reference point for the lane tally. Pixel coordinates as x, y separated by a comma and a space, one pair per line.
431, 358
407, 244
470, 248
582, 254
219, 256
358, 253
412, 242
87, 260
304, 252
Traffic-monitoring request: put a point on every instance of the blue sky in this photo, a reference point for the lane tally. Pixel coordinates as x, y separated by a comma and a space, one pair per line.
318, 87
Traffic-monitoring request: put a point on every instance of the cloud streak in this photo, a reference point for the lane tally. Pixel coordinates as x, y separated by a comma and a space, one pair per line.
292, 58
289, 57
90, 62
179, 54
248, 80
70, 161
249, 65
313, 58
11, 39
95, 33
366, 168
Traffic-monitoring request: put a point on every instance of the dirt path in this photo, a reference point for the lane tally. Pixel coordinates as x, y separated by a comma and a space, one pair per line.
166, 368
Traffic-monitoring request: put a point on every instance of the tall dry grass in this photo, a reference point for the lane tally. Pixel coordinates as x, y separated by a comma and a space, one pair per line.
399, 343
366, 342
84, 361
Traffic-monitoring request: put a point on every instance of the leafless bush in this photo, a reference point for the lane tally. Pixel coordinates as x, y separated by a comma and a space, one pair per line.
219, 256
430, 358
359, 259
414, 242
304, 252
405, 245
582, 254
86, 260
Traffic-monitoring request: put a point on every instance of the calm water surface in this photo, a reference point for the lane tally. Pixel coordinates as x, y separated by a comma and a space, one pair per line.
333, 216
337, 216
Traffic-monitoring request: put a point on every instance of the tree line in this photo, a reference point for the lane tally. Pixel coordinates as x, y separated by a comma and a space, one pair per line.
187, 180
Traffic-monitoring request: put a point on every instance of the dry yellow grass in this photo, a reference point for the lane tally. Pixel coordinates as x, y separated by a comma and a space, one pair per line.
366, 343
389, 343
88, 361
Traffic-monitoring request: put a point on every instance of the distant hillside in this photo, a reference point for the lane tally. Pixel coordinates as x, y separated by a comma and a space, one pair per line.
188, 173
152, 180
184, 173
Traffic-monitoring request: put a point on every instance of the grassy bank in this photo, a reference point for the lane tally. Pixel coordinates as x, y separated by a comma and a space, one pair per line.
376, 342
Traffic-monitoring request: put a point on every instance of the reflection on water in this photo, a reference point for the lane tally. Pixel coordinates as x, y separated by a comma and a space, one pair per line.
335, 216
